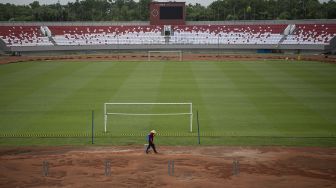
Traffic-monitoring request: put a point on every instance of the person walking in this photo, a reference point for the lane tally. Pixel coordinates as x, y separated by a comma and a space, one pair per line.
150, 139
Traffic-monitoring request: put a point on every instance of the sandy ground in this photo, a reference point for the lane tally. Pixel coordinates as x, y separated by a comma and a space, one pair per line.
193, 167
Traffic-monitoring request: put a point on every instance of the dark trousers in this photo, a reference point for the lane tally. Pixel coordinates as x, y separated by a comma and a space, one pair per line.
151, 144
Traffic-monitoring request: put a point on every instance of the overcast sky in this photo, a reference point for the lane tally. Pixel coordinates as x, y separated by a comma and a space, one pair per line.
27, 2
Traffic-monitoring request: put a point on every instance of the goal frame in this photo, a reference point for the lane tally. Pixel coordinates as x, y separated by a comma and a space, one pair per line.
190, 113
165, 51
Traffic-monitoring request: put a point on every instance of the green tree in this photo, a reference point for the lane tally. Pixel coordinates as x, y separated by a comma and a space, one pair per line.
284, 16
196, 12
143, 8
127, 10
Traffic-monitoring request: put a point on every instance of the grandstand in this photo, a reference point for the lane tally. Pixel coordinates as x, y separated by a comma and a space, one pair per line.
298, 36
106, 35
19, 35
316, 36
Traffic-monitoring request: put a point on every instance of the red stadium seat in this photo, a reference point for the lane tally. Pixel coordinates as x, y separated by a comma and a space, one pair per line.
312, 34
181, 34
23, 36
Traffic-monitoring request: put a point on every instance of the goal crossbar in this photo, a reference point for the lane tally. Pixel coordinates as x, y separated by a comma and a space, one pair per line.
150, 103
134, 114
190, 113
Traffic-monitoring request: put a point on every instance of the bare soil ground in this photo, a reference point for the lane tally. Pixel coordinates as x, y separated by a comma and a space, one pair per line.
194, 167
186, 57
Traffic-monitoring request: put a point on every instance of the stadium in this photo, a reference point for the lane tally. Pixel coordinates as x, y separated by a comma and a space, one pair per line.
234, 102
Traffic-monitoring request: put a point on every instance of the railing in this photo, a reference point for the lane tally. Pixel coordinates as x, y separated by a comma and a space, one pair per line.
108, 23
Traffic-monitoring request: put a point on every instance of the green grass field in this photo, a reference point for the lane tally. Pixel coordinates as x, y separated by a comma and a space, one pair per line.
239, 103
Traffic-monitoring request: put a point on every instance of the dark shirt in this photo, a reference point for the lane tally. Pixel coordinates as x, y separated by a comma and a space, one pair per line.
151, 137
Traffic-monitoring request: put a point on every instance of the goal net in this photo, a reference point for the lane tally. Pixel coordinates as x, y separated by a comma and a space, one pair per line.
139, 118
165, 56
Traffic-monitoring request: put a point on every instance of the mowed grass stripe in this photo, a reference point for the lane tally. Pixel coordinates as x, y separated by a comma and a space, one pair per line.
26, 81
247, 111
27, 101
319, 90
232, 113
101, 89
69, 79
80, 103
12, 72
309, 94
200, 110
323, 69
269, 101
178, 85
315, 114
75, 107
238, 102
319, 100
318, 75
140, 87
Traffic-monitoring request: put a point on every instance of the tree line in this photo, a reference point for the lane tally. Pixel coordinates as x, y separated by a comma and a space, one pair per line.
129, 10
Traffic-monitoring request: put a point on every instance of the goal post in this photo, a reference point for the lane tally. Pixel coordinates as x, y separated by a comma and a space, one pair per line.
188, 111
175, 54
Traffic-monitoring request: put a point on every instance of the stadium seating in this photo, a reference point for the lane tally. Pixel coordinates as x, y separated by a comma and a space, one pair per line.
103, 35
227, 34
23, 36
258, 34
312, 34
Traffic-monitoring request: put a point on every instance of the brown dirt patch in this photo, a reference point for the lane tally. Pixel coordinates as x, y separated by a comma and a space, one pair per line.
194, 167
186, 57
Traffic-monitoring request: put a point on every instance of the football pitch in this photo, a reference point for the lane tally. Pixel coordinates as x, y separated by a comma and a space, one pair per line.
238, 103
